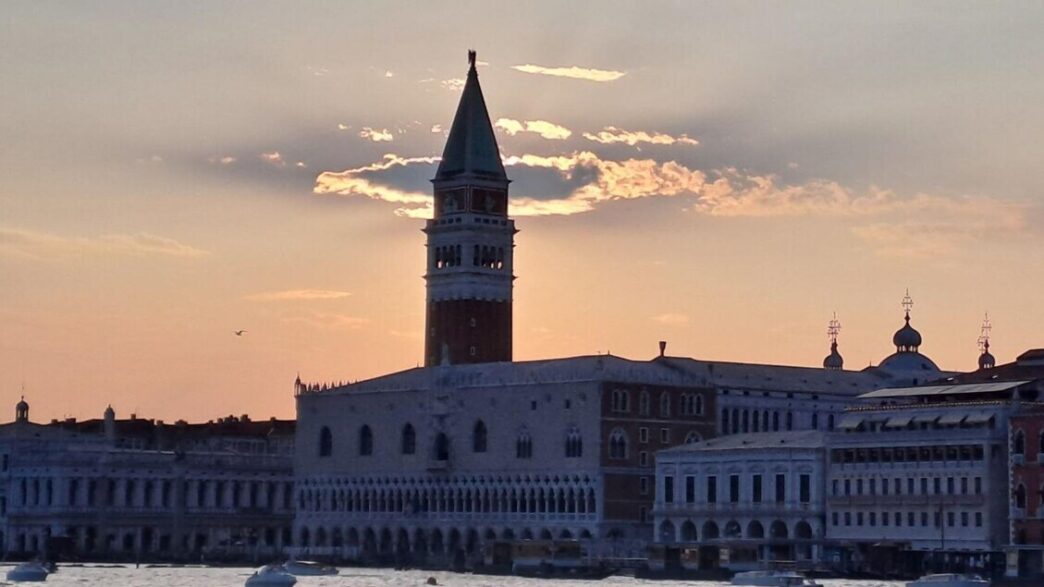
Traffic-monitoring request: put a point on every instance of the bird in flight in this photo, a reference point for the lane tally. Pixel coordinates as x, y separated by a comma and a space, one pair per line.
239, 332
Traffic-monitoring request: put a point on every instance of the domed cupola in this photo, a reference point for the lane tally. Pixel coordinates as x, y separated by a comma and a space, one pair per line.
986, 360
907, 339
22, 411
834, 360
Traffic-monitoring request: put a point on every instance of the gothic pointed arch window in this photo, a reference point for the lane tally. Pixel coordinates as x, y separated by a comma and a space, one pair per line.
365, 441
665, 404
699, 405
621, 400
692, 437
643, 403
1020, 496
524, 445
409, 439
574, 443
618, 444
325, 442
478, 437
1019, 445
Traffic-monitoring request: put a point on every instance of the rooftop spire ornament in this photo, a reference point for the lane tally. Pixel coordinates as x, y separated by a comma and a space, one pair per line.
833, 328
907, 303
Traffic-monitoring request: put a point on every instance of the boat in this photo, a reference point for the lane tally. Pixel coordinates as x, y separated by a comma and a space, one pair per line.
773, 579
309, 568
949, 580
28, 572
271, 576
547, 559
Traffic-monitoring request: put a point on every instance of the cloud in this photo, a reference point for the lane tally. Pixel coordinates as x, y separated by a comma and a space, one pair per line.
454, 84
376, 135
436, 128
30, 244
226, 160
273, 158
342, 126
545, 129
298, 295
329, 321
671, 319
611, 134
389, 74
574, 72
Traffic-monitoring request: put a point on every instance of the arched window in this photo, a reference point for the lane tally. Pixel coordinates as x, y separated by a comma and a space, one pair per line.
775, 421
790, 420
524, 445
574, 444
325, 442
618, 444
830, 422
815, 421
699, 405
692, 437
441, 447
1020, 443
409, 439
746, 422
478, 437
621, 400
365, 441
665, 404
643, 403
725, 421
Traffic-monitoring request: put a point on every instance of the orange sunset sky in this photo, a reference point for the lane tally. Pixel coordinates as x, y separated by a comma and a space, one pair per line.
721, 175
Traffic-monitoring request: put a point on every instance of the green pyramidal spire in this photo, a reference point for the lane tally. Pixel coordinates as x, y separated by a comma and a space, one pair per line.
472, 147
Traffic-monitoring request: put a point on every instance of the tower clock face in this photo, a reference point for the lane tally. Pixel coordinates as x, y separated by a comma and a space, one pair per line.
451, 202
486, 201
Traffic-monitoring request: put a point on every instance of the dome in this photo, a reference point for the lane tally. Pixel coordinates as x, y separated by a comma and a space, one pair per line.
986, 360
907, 339
22, 405
834, 360
909, 362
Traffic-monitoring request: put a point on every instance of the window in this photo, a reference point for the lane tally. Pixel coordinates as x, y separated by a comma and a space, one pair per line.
964, 519
964, 486
325, 442
848, 518
951, 519
409, 439
848, 487
924, 519
665, 435
873, 518
859, 487
873, 486
815, 421
524, 446
621, 400
665, 404
805, 489
478, 437
978, 486
668, 489
618, 444
442, 448
643, 403
898, 518
1019, 443
365, 441
725, 421
643, 459
574, 443
833, 518
978, 519
734, 488
699, 405
690, 489
859, 518
884, 518
950, 485
712, 489
643, 485
910, 519
643, 435
834, 488
937, 486
898, 486
781, 488
756, 488
790, 420
830, 422
692, 437
775, 421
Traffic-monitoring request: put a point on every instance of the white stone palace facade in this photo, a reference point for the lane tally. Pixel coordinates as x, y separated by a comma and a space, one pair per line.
138, 489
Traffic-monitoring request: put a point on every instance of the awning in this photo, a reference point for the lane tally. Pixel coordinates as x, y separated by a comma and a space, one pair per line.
899, 421
925, 418
978, 418
850, 423
953, 418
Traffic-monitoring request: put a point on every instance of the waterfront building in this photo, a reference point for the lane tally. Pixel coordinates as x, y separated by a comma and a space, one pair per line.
918, 477
135, 489
741, 501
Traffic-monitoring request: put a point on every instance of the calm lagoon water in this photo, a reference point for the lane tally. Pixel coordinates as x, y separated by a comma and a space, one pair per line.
90, 576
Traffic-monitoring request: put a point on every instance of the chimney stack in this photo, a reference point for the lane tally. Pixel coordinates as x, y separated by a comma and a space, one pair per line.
663, 347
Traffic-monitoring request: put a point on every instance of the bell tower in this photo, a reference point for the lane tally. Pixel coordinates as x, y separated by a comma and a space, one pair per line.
470, 243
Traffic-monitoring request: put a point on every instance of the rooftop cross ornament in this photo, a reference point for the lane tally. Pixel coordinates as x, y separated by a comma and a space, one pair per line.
471, 57
833, 328
984, 334
907, 303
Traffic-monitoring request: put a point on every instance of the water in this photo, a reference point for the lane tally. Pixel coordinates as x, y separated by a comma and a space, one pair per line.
90, 576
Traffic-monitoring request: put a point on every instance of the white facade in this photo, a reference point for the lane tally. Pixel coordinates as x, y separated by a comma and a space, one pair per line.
756, 497
105, 490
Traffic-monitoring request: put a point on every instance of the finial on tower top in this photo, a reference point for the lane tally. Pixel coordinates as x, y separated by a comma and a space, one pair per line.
984, 334
471, 58
833, 328
907, 303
